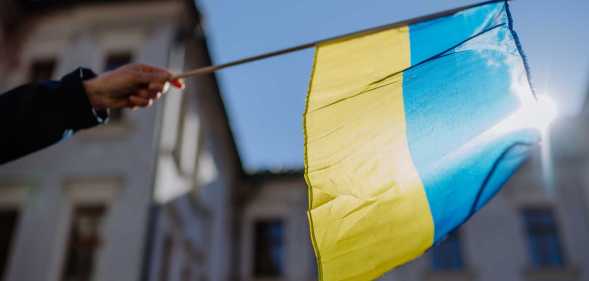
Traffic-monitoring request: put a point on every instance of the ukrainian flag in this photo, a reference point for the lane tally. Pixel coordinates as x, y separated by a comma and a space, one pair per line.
408, 132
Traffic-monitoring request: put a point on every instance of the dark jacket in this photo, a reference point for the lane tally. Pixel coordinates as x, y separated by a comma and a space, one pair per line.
39, 114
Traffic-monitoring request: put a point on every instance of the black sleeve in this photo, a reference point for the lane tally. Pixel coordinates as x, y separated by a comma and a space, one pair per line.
40, 114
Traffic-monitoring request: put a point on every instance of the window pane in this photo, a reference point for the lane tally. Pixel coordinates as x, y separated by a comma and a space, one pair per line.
42, 70
187, 273
166, 258
269, 248
543, 239
116, 60
84, 242
8, 219
447, 255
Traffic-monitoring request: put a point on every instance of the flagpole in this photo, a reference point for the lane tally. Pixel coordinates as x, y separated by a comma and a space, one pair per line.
213, 68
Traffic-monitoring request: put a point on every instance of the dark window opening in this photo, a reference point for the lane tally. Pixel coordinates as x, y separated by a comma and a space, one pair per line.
166, 258
447, 255
187, 273
114, 61
42, 70
8, 219
84, 241
269, 248
543, 238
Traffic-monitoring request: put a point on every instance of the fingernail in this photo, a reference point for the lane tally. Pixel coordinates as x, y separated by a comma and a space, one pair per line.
179, 83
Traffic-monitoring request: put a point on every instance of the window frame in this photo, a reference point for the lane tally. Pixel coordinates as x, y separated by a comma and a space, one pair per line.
70, 249
281, 268
12, 197
543, 262
458, 262
42, 61
271, 203
167, 256
88, 192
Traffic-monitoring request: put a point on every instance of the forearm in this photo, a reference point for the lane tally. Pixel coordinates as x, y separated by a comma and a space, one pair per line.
37, 115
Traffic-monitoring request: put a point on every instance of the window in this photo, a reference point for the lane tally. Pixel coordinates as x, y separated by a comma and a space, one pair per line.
8, 218
269, 248
42, 70
84, 241
543, 240
447, 255
166, 258
187, 272
114, 61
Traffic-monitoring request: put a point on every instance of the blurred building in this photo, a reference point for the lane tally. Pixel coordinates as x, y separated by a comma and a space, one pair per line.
84, 209
536, 228
160, 194
532, 230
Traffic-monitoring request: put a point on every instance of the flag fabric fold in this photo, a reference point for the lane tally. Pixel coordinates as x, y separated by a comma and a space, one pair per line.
408, 132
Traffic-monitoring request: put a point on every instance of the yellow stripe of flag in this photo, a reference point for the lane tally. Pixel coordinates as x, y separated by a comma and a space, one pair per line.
362, 182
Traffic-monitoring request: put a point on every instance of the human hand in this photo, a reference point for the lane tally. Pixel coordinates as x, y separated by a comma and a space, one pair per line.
132, 85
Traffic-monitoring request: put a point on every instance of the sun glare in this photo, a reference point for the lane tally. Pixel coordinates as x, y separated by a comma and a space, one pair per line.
544, 112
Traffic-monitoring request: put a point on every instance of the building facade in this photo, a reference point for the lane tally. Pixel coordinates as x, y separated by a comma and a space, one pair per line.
84, 209
197, 178
534, 229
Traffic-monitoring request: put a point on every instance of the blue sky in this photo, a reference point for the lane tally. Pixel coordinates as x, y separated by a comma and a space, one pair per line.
265, 99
